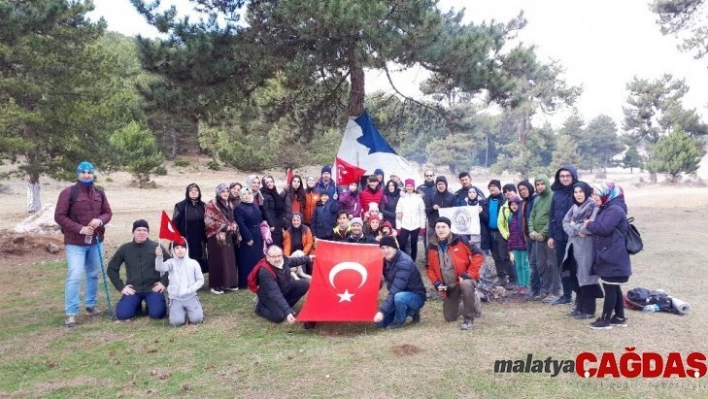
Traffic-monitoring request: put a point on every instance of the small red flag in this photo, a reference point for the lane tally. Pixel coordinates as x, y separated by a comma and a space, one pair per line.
348, 173
345, 283
168, 230
289, 176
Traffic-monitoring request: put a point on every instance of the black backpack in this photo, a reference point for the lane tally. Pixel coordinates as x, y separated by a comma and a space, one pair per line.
632, 240
640, 297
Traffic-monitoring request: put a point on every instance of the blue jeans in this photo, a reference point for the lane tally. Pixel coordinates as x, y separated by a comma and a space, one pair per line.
80, 259
129, 305
406, 304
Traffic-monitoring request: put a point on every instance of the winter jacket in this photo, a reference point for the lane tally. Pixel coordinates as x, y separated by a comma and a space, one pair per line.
273, 208
306, 240
401, 275
349, 202
185, 276
484, 218
311, 201
583, 248
412, 210
561, 202
462, 194
88, 205
367, 197
362, 239
388, 204
608, 229
538, 220
427, 190
139, 262
271, 288
325, 218
292, 204
503, 220
515, 236
466, 259
337, 235
526, 204
444, 199
330, 187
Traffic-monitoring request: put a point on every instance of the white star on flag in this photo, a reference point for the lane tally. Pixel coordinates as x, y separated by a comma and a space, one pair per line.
346, 296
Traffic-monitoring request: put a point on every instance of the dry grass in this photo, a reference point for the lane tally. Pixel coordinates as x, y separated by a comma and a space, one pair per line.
235, 354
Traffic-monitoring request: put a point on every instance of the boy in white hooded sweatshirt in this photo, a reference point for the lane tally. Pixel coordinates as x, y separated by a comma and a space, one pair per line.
186, 278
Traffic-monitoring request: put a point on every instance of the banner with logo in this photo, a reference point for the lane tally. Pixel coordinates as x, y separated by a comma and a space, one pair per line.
465, 219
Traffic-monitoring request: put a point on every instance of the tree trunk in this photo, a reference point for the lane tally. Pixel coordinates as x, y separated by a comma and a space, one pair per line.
652, 177
356, 76
173, 134
33, 202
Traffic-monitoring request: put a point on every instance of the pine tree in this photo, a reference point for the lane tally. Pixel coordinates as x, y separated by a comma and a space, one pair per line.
675, 154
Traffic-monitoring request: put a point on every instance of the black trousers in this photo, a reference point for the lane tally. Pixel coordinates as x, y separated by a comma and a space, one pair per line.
269, 309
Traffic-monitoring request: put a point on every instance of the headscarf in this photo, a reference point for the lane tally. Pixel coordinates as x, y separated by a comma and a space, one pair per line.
608, 191
582, 211
221, 187
246, 191
586, 189
199, 197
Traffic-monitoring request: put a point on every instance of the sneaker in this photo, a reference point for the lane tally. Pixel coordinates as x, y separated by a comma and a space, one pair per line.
562, 301
523, 291
550, 298
601, 324
231, 289
70, 321
415, 319
216, 292
617, 322
394, 326
584, 316
573, 313
94, 311
512, 287
539, 296
466, 325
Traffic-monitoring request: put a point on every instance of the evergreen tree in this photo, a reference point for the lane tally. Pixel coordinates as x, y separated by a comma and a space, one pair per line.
60, 97
599, 143
136, 149
632, 159
675, 154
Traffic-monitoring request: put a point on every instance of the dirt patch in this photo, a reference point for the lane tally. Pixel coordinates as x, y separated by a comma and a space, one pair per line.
406, 350
29, 248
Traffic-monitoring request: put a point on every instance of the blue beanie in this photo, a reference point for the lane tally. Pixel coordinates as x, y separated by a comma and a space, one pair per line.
327, 169
379, 172
85, 165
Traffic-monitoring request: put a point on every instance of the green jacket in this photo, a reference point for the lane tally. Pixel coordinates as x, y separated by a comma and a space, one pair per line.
541, 212
139, 262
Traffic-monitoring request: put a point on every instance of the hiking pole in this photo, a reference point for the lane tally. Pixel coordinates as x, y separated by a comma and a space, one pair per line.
103, 273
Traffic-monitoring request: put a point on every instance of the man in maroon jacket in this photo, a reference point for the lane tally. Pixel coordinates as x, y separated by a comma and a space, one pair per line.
81, 212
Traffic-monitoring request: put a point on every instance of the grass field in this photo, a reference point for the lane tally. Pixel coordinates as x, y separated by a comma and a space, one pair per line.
235, 354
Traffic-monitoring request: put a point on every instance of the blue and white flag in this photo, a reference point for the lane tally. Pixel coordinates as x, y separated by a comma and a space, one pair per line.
365, 147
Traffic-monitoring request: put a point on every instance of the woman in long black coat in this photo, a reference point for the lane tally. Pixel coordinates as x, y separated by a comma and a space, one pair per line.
188, 218
248, 218
273, 208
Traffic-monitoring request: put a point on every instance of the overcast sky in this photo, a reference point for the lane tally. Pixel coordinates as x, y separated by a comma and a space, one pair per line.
601, 43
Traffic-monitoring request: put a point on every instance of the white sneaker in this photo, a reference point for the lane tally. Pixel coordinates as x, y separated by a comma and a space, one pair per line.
216, 292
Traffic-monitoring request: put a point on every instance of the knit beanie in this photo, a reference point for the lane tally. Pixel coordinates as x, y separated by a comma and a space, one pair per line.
85, 165
140, 223
326, 169
494, 182
410, 182
388, 241
356, 221
379, 172
443, 219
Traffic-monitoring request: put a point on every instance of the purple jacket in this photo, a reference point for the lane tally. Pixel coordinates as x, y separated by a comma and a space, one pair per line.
516, 233
349, 202
611, 256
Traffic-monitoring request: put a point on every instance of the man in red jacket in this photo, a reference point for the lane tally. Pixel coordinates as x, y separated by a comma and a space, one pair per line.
81, 212
453, 268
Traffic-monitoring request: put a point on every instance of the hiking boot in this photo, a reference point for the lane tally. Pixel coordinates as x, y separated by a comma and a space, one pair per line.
466, 325
617, 322
583, 316
562, 301
216, 291
550, 298
600, 324
94, 312
394, 326
415, 319
70, 321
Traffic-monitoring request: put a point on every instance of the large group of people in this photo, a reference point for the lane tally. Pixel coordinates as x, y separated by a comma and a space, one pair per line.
546, 241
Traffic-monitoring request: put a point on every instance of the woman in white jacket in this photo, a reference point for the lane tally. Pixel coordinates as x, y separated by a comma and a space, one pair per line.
410, 218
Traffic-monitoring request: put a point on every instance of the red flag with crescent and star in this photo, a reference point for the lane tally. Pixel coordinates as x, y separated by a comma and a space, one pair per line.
345, 283
168, 230
348, 173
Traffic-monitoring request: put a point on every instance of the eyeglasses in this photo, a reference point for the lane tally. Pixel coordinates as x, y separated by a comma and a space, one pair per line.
428, 175
275, 256
564, 176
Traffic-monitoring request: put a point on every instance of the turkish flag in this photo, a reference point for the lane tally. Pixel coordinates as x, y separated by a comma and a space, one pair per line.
348, 173
168, 230
289, 177
345, 283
